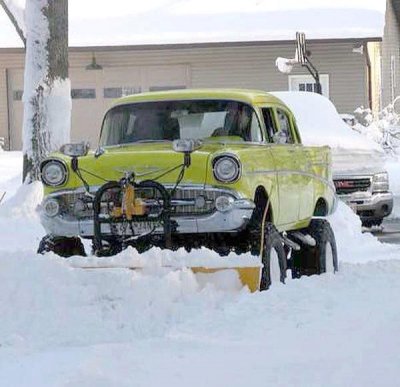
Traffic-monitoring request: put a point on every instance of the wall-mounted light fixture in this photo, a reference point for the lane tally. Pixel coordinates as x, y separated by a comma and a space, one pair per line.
358, 49
94, 65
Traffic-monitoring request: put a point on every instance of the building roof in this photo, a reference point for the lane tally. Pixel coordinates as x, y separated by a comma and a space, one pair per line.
126, 22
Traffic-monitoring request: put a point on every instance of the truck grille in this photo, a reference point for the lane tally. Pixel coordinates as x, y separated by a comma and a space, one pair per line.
349, 186
78, 205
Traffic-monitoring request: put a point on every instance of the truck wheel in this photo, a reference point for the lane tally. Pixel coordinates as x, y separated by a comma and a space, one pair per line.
274, 263
321, 258
62, 246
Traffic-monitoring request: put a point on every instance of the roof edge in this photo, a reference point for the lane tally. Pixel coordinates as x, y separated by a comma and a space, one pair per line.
166, 46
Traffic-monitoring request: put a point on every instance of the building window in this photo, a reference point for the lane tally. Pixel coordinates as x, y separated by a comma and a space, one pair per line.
117, 92
17, 95
83, 93
165, 88
307, 83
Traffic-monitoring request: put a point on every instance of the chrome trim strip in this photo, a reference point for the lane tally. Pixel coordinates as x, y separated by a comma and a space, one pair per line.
184, 187
230, 221
321, 163
293, 172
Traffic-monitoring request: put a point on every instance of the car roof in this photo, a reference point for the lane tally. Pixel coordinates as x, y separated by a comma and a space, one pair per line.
244, 95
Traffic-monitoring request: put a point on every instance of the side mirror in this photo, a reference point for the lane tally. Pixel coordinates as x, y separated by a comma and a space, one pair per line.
186, 146
280, 137
75, 150
99, 151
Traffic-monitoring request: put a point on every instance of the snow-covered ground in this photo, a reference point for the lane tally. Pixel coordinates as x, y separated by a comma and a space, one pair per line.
63, 326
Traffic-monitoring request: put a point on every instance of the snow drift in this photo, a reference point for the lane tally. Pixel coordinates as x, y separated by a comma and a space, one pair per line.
66, 326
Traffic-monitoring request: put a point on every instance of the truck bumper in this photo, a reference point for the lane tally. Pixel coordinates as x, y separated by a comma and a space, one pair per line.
218, 222
370, 206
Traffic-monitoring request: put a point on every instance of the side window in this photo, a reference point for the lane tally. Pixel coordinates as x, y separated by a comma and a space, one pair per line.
284, 125
269, 122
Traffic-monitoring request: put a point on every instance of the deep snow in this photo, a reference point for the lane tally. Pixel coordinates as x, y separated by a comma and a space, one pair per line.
63, 326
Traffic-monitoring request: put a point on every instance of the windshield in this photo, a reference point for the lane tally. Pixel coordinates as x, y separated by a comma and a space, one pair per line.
171, 120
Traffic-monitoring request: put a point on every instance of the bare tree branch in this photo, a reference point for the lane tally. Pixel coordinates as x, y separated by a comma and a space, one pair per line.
13, 20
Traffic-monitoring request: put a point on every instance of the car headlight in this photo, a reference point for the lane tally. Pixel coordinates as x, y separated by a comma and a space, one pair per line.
226, 169
380, 182
223, 203
53, 173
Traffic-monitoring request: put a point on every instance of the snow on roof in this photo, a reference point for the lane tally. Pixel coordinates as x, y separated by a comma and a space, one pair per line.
96, 23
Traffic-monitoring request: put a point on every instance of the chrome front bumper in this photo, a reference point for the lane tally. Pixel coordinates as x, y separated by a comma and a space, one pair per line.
218, 222
370, 206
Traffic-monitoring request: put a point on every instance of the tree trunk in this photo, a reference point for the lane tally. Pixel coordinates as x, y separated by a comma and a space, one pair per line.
47, 101
57, 45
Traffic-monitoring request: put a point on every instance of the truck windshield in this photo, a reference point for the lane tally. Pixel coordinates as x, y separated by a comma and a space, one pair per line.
171, 120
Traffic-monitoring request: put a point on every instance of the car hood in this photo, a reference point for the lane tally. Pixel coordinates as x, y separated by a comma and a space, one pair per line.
146, 160
357, 162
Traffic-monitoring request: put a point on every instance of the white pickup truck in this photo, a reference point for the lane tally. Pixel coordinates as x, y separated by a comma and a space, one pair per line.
358, 166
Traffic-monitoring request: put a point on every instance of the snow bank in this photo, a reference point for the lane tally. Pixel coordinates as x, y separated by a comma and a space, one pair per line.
111, 304
393, 169
10, 172
67, 326
174, 259
19, 221
354, 246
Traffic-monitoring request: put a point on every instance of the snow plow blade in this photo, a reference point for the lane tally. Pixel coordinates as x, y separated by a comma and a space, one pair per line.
249, 276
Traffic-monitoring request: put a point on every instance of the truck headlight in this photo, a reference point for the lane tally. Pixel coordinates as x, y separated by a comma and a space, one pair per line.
380, 182
53, 173
226, 169
51, 207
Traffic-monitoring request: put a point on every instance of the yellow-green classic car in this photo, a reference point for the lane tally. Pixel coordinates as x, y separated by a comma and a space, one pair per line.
220, 168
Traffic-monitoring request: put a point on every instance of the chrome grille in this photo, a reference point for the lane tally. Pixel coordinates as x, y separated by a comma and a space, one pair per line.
349, 186
183, 202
